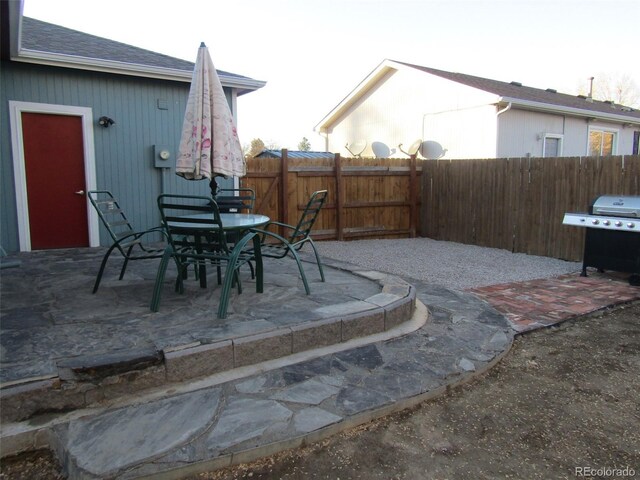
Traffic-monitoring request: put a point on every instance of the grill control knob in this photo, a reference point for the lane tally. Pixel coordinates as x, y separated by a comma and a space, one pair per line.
631, 225
595, 221
606, 222
618, 223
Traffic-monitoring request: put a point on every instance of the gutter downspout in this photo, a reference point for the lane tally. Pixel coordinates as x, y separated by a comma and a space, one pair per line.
498, 113
325, 135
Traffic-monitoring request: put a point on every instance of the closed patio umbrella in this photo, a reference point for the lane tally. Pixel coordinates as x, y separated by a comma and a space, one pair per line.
209, 145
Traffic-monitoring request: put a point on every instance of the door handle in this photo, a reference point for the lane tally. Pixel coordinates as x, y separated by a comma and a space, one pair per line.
79, 192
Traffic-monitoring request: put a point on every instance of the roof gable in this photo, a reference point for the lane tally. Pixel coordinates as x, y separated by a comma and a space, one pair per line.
526, 97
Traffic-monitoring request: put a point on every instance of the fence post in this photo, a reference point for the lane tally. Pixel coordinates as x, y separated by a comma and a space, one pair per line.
412, 197
284, 190
339, 197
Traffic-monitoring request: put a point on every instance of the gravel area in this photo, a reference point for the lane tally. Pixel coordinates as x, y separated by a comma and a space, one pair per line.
452, 265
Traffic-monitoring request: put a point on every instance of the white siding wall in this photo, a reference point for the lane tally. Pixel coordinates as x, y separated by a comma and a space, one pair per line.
403, 109
408, 105
461, 133
575, 137
522, 132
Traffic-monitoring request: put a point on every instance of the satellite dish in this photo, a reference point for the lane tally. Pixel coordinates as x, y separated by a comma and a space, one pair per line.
356, 148
380, 150
433, 150
413, 149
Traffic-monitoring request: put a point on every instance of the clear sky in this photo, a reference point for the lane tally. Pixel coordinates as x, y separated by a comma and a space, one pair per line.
313, 53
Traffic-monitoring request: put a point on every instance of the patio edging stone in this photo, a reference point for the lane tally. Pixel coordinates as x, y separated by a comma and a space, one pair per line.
74, 387
462, 339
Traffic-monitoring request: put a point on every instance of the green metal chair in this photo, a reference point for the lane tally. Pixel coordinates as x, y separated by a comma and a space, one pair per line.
126, 240
235, 200
196, 237
294, 237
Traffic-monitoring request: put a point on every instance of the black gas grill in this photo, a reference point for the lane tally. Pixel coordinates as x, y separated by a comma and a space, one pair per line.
612, 239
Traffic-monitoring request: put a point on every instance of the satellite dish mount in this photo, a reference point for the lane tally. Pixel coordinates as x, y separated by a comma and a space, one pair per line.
413, 148
357, 146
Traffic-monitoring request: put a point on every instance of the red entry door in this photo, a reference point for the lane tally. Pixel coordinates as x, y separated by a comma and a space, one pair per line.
54, 165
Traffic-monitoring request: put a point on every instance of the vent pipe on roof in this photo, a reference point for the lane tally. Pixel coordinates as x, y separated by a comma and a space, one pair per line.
590, 97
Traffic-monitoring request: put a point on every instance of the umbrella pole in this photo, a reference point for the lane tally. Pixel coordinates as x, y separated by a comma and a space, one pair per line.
214, 187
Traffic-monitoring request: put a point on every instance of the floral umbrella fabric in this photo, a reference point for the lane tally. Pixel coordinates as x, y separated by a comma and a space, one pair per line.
209, 145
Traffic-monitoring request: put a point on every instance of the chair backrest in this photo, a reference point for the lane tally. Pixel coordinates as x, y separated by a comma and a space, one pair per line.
110, 214
183, 215
235, 200
309, 216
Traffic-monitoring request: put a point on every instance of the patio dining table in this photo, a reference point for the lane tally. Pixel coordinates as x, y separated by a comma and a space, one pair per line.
197, 226
238, 222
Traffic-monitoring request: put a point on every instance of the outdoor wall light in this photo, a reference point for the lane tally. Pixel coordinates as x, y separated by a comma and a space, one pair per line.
105, 122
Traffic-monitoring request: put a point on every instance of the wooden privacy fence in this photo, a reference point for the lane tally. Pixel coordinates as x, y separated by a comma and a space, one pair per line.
366, 197
518, 204
515, 204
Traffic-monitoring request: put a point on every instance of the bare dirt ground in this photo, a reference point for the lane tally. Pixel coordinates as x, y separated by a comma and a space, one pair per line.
564, 403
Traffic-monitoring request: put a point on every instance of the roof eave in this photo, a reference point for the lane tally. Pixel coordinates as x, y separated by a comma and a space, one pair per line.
244, 85
324, 126
578, 112
12, 26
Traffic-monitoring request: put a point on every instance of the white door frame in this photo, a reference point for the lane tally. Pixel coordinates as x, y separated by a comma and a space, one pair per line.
19, 171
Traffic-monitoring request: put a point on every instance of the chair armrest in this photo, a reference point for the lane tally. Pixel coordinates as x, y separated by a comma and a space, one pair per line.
277, 224
264, 233
280, 224
137, 235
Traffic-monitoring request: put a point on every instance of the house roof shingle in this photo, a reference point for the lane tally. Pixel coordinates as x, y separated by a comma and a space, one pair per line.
50, 39
47, 37
518, 91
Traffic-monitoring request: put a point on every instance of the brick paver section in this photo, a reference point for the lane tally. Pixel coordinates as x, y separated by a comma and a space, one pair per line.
540, 303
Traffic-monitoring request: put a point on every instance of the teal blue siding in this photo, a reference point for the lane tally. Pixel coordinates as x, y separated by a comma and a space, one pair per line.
124, 151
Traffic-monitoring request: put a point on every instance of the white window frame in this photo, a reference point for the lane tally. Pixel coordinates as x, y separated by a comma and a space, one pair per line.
616, 136
560, 138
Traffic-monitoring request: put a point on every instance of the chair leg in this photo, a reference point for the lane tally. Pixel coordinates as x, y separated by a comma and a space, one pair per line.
124, 267
232, 274
317, 259
237, 277
157, 288
225, 292
304, 277
257, 252
202, 273
102, 266
182, 275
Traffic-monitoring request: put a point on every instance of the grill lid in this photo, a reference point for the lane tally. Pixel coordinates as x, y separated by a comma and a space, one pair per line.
616, 206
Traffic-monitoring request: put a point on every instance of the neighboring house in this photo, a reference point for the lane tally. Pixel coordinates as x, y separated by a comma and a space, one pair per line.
57, 84
456, 116
294, 154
